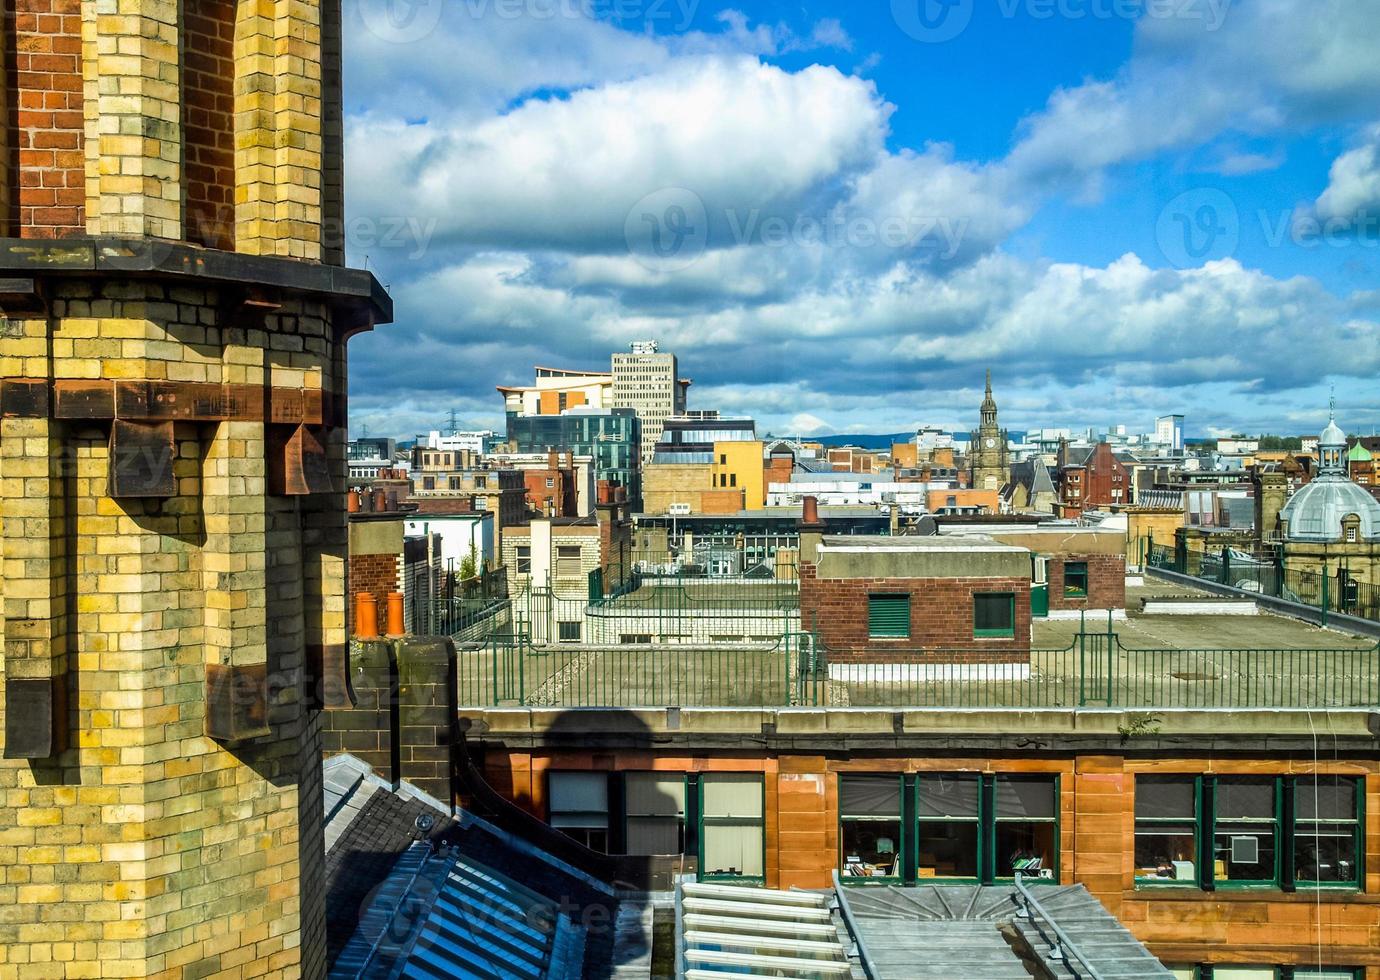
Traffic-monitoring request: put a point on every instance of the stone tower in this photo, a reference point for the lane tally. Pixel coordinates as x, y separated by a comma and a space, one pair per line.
990, 469
173, 321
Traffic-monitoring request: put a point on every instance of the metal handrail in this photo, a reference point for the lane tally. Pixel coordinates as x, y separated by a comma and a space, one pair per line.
845, 910
1065, 946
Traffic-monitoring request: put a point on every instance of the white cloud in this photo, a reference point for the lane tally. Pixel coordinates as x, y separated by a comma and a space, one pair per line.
1269, 65
565, 172
1352, 197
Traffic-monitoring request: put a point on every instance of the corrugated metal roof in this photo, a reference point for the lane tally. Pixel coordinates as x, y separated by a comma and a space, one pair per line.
976, 932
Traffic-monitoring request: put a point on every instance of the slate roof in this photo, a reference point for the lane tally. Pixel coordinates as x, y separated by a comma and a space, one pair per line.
452, 897
976, 932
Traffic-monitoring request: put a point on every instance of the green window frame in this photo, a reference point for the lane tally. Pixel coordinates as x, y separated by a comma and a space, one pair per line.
1076, 579
871, 828
1168, 830
1231, 833
754, 864
1327, 831
949, 817
888, 615
990, 611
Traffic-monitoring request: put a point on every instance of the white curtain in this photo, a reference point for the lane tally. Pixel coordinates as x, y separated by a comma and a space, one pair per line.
733, 850
732, 795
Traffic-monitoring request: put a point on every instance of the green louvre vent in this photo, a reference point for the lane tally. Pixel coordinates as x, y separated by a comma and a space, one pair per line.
888, 615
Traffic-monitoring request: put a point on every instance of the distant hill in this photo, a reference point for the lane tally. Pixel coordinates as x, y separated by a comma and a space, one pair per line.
863, 441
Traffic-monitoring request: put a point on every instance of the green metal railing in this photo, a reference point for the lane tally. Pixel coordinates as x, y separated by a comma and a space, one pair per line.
463, 608
1334, 590
1095, 670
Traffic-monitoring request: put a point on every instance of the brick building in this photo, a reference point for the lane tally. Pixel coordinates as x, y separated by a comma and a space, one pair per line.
1090, 478
172, 454
883, 599
1082, 568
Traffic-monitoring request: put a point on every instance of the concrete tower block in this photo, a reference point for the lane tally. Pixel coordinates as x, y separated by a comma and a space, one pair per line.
172, 462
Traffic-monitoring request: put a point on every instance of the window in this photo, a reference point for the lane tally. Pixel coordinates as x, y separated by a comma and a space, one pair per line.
1351, 533
994, 614
1026, 831
579, 806
568, 561
888, 616
550, 482
635, 638
733, 479
870, 826
1166, 850
655, 813
568, 632
1076, 579
1246, 831
481, 482
524, 559
731, 839
428, 483
948, 810
1327, 831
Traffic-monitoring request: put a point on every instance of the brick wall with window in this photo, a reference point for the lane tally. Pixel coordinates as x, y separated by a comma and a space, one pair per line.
1129, 827
1087, 581
856, 617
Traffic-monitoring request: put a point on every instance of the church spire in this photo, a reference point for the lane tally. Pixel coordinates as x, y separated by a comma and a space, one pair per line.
989, 404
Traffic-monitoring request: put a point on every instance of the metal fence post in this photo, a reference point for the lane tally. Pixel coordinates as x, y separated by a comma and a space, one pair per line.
1324, 594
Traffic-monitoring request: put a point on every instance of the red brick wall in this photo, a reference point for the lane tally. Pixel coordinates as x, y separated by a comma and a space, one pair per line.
941, 617
377, 574
1106, 582
208, 121
48, 199
560, 495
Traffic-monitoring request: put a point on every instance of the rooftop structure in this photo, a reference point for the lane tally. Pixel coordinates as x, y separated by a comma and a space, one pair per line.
1323, 509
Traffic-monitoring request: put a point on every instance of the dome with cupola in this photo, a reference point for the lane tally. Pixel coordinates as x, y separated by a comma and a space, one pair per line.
1324, 509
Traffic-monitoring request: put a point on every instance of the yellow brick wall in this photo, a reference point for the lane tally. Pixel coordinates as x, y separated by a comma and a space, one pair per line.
146, 847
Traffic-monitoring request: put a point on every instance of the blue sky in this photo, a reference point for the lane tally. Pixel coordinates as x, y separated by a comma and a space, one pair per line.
839, 215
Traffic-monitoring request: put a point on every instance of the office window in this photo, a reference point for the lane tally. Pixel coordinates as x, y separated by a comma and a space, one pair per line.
579, 806
1327, 830
655, 805
950, 824
569, 631
1166, 850
1076, 579
568, 561
1247, 829
524, 559
994, 614
888, 615
731, 838
870, 826
1026, 832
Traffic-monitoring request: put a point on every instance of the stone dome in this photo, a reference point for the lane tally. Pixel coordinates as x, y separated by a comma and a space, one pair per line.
1316, 511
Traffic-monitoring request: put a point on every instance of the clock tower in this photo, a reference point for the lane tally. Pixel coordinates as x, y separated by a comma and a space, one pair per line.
989, 466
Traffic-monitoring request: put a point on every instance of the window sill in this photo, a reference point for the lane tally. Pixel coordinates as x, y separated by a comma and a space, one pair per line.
1248, 893
992, 635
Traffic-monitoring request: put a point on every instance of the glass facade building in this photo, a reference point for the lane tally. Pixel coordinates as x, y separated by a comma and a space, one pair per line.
611, 437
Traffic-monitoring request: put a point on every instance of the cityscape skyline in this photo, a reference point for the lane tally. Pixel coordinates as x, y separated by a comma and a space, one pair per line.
838, 224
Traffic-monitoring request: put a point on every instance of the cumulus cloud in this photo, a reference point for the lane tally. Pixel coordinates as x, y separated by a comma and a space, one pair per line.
735, 132
1264, 66
1352, 198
